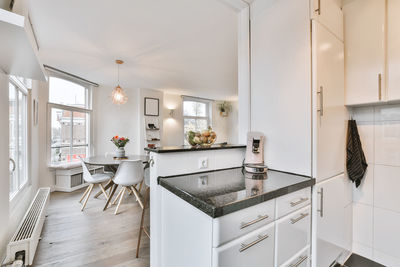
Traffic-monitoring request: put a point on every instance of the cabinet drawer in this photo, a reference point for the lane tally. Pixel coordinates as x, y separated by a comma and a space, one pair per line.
293, 234
293, 201
233, 225
301, 259
255, 249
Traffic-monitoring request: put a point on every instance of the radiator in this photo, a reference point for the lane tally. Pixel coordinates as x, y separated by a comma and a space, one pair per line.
26, 238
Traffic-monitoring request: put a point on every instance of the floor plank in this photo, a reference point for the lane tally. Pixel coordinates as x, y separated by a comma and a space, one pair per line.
92, 237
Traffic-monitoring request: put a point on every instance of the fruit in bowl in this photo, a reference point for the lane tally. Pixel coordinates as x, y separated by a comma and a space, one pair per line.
204, 138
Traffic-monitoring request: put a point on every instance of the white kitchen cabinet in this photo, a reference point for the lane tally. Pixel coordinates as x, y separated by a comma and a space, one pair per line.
329, 13
293, 234
332, 221
239, 223
393, 51
364, 37
292, 202
330, 115
255, 249
301, 259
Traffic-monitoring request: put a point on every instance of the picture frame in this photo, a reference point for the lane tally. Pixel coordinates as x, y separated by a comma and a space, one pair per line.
151, 106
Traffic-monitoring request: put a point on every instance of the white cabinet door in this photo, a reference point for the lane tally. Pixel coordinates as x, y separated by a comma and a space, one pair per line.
281, 84
255, 249
393, 51
293, 235
364, 36
329, 13
332, 222
329, 111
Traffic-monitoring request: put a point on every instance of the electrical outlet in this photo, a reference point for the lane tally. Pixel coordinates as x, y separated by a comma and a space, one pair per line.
203, 163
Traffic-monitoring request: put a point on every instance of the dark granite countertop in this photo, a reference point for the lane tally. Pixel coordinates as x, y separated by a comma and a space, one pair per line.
221, 192
170, 149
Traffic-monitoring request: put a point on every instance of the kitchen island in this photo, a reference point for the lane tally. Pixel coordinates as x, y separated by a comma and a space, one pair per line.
178, 160
232, 218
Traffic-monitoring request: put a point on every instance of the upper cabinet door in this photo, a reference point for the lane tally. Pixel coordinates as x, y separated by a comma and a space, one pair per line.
393, 51
330, 112
364, 37
329, 13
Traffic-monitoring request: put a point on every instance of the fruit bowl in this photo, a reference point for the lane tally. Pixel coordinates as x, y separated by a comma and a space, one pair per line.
204, 138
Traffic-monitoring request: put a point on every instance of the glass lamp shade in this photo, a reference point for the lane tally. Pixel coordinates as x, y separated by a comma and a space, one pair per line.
118, 96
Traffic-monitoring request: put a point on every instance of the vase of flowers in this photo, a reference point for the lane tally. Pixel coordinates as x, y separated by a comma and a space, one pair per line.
120, 143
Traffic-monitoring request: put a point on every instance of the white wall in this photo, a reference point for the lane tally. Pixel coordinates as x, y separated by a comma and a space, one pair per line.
110, 120
376, 211
4, 182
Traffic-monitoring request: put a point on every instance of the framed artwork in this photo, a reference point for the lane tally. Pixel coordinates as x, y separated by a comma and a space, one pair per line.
151, 106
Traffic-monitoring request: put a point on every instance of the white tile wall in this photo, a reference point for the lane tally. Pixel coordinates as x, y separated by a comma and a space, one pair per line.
376, 202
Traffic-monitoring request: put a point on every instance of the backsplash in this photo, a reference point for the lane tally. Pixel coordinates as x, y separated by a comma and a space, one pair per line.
376, 211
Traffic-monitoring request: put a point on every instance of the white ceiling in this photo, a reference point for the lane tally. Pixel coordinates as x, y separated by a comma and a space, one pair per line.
182, 46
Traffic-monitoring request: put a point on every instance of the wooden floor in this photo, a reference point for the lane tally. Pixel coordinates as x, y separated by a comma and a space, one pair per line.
92, 237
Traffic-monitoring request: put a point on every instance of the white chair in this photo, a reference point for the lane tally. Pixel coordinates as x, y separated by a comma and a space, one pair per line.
128, 175
143, 228
92, 180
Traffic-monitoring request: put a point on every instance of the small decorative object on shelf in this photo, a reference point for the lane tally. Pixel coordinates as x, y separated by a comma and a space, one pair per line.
204, 138
224, 108
120, 143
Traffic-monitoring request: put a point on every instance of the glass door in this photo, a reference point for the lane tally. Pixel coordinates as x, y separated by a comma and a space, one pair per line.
17, 138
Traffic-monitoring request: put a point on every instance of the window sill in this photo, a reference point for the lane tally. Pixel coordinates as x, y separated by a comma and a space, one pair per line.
64, 166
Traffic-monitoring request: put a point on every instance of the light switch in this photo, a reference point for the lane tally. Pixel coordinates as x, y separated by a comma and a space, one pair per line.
203, 163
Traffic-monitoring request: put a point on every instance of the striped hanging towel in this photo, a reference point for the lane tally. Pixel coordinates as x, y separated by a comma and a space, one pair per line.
355, 163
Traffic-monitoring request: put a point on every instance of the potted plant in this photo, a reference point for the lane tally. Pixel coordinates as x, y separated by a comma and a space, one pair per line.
120, 143
224, 108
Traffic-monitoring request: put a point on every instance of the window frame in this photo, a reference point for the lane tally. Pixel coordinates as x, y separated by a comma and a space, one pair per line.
20, 87
72, 109
207, 117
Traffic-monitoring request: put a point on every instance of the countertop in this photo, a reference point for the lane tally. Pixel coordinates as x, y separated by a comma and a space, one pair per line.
170, 149
221, 192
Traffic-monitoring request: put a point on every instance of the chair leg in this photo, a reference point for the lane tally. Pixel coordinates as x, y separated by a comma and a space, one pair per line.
137, 195
84, 194
87, 197
104, 191
142, 221
140, 186
116, 199
120, 200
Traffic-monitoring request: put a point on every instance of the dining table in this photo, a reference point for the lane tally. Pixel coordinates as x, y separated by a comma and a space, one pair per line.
111, 163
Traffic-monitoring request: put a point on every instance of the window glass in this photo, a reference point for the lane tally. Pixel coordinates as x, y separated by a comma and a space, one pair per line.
67, 93
17, 139
196, 116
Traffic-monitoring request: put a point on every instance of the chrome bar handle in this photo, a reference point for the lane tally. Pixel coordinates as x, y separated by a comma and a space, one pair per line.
259, 218
13, 164
300, 261
247, 246
321, 206
302, 216
321, 101
380, 86
318, 10
295, 203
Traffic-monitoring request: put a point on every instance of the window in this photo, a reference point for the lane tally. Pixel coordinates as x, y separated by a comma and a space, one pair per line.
196, 115
18, 136
70, 120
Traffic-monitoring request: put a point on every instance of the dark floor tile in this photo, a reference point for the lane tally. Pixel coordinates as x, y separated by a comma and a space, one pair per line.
359, 261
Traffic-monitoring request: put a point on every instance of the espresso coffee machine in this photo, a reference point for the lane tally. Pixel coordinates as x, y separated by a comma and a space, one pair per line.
254, 161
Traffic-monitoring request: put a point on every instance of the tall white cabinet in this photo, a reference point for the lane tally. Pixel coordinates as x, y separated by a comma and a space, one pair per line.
393, 51
297, 101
